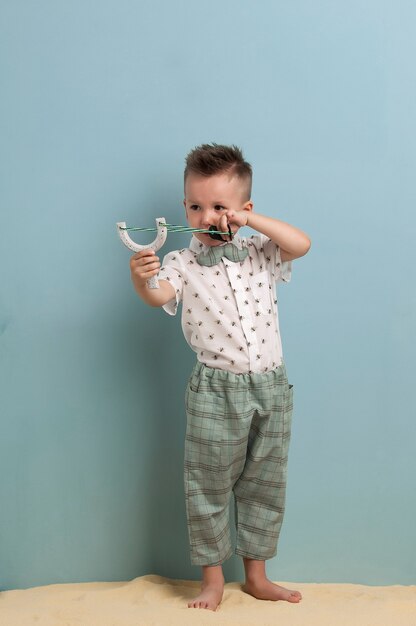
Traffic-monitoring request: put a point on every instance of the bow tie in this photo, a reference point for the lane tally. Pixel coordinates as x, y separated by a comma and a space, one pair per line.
215, 254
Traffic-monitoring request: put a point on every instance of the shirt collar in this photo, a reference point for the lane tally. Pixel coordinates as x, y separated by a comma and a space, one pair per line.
197, 246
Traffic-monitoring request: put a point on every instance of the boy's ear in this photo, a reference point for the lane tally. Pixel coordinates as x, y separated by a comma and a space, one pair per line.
248, 206
186, 210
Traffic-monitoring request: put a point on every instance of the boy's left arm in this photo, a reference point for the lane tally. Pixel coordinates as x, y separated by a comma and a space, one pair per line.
293, 242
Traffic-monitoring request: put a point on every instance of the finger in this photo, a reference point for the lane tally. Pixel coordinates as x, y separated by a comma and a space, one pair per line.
221, 222
144, 260
233, 218
151, 266
137, 266
225, 227
143, 253
142, 269
148, 275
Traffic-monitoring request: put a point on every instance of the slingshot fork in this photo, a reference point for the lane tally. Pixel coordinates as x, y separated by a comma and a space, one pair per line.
162, 233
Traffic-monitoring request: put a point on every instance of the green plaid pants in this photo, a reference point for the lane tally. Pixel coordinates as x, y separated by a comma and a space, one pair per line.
237, 440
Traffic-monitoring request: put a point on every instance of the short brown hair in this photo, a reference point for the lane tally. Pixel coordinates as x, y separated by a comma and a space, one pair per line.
210, 159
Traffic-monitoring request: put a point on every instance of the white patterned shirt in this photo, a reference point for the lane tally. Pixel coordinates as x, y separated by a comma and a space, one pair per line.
229, 311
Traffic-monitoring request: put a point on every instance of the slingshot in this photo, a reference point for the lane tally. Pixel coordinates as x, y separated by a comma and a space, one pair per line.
162, 230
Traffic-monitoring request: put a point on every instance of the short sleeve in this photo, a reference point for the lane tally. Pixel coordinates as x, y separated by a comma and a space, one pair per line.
281, 270
171, 271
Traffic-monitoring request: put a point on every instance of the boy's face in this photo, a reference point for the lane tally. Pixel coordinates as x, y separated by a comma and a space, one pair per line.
207, 198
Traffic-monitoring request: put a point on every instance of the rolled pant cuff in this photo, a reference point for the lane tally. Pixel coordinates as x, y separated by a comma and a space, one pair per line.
206, 561
256, 557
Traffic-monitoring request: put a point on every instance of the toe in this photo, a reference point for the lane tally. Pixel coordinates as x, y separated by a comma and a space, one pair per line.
295, 596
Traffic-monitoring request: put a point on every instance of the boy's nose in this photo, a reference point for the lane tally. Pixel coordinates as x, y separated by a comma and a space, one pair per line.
209, 217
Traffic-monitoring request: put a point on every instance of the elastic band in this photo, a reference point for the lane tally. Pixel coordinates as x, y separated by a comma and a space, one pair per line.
175, 228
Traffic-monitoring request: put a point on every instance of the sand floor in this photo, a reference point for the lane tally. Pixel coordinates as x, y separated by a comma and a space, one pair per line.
157, 601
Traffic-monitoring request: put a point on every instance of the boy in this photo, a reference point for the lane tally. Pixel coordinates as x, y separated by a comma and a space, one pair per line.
238, 400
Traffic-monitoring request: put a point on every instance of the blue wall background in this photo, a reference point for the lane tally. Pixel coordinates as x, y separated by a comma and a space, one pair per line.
100, 103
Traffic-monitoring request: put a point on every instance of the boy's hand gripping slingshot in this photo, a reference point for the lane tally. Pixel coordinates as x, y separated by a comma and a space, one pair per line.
162, 230
162, 233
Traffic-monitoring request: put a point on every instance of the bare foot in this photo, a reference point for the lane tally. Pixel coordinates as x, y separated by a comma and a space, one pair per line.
212, 589
266, 590
209, 598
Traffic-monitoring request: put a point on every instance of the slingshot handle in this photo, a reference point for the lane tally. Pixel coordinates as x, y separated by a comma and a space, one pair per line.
162, 233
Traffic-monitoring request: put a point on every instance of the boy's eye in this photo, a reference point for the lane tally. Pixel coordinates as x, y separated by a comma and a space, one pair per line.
194, 207
219, 207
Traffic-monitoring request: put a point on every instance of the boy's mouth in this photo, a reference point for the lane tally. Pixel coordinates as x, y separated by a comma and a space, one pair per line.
216, 235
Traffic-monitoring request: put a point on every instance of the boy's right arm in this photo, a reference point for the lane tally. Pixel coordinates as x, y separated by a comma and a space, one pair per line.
145, 265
